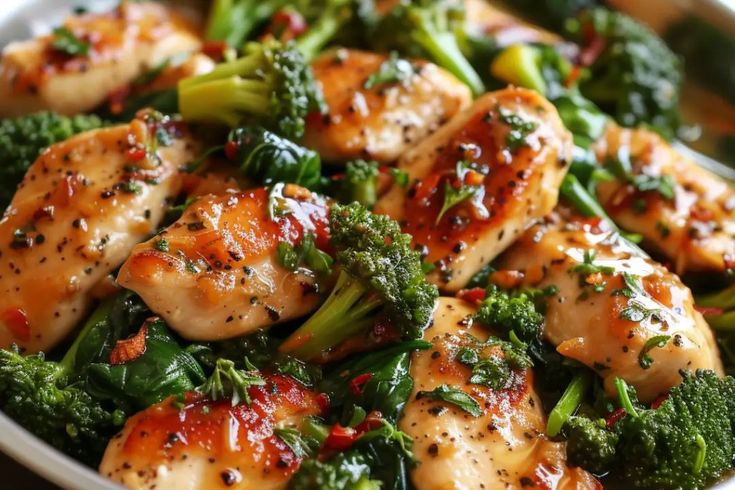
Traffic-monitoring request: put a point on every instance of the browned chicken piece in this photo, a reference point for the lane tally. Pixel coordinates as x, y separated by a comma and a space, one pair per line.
502, 447
383, 121
688, 215
505, 29
216, 272
210, 445
79, 211
116, 47
621, 314
480, 181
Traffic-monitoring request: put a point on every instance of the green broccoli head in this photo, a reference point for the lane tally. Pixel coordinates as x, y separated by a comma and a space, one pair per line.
349, 471
590, 444
685, 442
636, 77
512, 312
271, 86
22, 140
428, 29
688, 441
359, 183
38, 395
380, 275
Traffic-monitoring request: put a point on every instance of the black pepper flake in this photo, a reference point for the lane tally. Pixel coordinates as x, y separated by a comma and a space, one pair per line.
195, 226
273, 313
433, 450
228, 477
107, 194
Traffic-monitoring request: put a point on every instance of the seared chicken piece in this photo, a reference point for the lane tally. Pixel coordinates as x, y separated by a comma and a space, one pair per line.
77, 214
209, 445
503, 447
383, 121
618, 313
504, 29
39, 74
216, 274
493, 170
688, 217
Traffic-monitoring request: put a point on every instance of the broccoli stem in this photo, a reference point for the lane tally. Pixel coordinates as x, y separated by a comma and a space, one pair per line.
245, 66
231, 96
345, 313
724, 299
568, 403
443, 48
723, 322
328, 24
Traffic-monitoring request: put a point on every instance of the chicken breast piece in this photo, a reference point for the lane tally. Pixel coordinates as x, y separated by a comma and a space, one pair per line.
210, 445
485, 18
40, 74
78, 212
688, 217
503, 447
618, 313
216, 272
382, 121
480, 181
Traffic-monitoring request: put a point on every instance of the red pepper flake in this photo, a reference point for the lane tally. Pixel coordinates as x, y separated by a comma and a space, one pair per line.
128, 350
215, 49
709, 310
340, 438
231, 149
615, 416
322, 400
16, 320
117, 98
658, 401
357, 385
136, 154
286, 25
474, 295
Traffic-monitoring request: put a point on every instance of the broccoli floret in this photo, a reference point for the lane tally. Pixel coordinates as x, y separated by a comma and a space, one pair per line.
22, 140
590, 444
428, 28
512, 312
379, 274
43, 397
359, 183
349, 471
553, 13
636, 77
685, 442
271, 85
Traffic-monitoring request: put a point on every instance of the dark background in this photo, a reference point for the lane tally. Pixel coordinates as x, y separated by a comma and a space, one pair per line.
17, 477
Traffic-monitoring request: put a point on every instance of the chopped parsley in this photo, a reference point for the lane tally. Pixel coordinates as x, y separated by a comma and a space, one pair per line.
520, 128
161, 245
588, 266
455, 195
305, 253
301, 445
392, 70
636, 312
66, 42
621, 167
656, 341
454, 396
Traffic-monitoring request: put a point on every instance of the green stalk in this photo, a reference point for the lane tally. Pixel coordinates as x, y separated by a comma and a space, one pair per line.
443, 48
67, 363
724, 299
233, 96
568, 403
340, 317
622, 388
323, 30
724, 322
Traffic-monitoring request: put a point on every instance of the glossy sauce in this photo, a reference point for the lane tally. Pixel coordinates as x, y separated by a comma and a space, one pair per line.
218, 274
208, 445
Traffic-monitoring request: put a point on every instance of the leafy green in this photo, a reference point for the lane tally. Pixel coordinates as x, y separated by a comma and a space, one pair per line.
392, 70
68, 43
266, 158
346, 471
454, 396
229, 383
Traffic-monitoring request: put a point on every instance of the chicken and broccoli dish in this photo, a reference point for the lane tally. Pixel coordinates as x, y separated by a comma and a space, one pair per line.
363, 244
